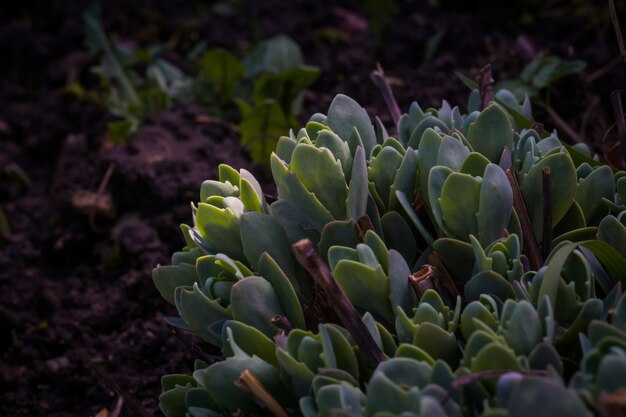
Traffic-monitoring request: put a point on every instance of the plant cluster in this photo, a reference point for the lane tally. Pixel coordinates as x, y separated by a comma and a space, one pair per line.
267, 86
469, 266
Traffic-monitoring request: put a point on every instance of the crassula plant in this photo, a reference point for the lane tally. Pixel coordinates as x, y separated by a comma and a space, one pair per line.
470, 266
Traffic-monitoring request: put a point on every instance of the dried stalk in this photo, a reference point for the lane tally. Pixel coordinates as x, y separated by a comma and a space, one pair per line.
363, 224
531, 247
613, 404
547, 212
252, 385
337, 300
618, 31
390, 100
430, 277
562, 124
282, 323
618, 109
485, 86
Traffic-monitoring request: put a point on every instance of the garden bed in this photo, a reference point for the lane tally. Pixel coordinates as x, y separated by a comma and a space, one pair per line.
81, 323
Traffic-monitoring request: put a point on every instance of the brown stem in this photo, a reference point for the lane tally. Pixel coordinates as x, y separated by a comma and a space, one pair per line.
602, 71
337, 300
434, 276
538, 127
444, 279
531, 247
98, 196
547, 212
363, 224
390, 100
423, 280
485, 86
117, 408
613, 404
261, 395
618, 31
562, 124
282, 323
618, 109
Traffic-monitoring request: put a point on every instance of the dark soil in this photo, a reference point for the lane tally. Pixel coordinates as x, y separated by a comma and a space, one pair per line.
81, 323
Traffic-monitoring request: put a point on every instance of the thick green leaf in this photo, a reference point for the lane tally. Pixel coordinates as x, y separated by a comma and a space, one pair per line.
356, 202
261, 233
399, 236
284, 289
591, 189
338, 233
408, 209
382, 172
613, 232
552, 276
429, 122
400, 293
488, 282
295, 224
612, 260
292, 191
437, 342
345, 114
199, 312
457, 256
543, 397
339, 148
220, 229
491, 133
366, 287
460, 197
427, 159
250, 340
405, 180
495, 205
563, 185
219, 379
452, 153
254, 302
168, 278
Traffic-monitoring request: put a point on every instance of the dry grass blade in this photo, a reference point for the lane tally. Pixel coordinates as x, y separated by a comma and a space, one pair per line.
252, 385
620, 121
385, 89
531, 247
337, 300
618, 30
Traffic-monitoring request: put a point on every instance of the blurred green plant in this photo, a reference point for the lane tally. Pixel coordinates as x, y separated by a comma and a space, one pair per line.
380, 14
540, 75
129, 96
267, 86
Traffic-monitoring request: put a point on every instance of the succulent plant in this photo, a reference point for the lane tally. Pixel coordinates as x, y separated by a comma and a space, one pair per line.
470, 266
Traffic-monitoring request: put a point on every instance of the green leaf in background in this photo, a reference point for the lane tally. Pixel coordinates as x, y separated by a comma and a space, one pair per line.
221, 71
274, 55
286, 87
260, 126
